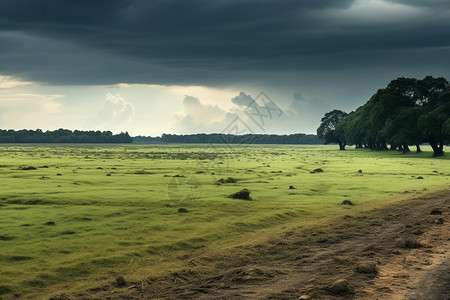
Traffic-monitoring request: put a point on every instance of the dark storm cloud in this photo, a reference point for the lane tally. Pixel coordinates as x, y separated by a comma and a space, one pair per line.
207, 42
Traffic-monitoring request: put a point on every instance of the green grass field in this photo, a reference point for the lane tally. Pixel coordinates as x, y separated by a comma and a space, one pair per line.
115, 207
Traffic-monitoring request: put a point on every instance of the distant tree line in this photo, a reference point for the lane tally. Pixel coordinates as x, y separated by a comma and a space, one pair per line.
140, 139
62, 136
407, 112
218, 138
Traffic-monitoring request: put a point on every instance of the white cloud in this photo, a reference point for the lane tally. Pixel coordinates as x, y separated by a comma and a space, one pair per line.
198, 117
250, 115
115, 113
202, 113
9, 82
116, 110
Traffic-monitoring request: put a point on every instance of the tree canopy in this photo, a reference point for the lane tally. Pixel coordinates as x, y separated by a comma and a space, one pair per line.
329, 129
62, 136
406, 112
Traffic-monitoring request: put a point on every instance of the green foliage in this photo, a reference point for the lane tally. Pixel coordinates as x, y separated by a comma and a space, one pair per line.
402, 129
407, 112
329, 128
434, 123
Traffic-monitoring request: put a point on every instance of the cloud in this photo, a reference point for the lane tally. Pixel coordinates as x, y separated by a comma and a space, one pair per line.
203, 113
243, 100
115, 113
218, 42
379, 12
306, 112
25, 110
9, 82
197, 116
302, 106
116, 110
303, 115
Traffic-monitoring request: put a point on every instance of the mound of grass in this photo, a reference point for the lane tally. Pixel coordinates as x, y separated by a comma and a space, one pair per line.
143, 172
347, 202
28, 168
6, 238
366, 268
4, 289
19, 258
242, 194
339, 287
227, 180
436, 211
410, 243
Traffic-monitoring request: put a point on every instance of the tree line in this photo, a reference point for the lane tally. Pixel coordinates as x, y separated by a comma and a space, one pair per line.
78, 136
218, 138
62, 136
406, 112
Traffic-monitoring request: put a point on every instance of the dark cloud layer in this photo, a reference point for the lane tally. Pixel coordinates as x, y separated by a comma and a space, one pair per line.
214, 42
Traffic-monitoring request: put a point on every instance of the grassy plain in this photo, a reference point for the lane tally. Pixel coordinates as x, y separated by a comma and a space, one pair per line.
115, 208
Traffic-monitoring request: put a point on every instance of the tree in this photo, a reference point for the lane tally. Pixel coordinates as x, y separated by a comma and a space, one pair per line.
411, 99
435, 124
407, 112
329, 129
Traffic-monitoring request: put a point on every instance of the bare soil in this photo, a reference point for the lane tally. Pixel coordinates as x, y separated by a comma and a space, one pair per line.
399, 252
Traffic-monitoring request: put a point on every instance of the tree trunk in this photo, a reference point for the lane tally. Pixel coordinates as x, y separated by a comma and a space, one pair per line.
441, 148
437, 149
418, 150
406, 149
341, 146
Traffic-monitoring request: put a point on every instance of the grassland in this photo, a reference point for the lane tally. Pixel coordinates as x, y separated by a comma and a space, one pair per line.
88, 213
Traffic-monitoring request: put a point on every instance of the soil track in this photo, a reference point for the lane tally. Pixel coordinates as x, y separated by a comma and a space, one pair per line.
401, 253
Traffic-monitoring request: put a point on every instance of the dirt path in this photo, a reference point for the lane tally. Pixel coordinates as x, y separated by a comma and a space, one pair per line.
408, 247
434, 284
399, 254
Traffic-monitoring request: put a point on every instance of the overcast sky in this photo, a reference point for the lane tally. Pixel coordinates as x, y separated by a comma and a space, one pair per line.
175, 66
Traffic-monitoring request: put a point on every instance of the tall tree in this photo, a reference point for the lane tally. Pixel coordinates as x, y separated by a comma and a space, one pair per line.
329, 129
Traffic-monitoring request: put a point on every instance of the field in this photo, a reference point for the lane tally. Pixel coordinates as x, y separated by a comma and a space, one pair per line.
74, 217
